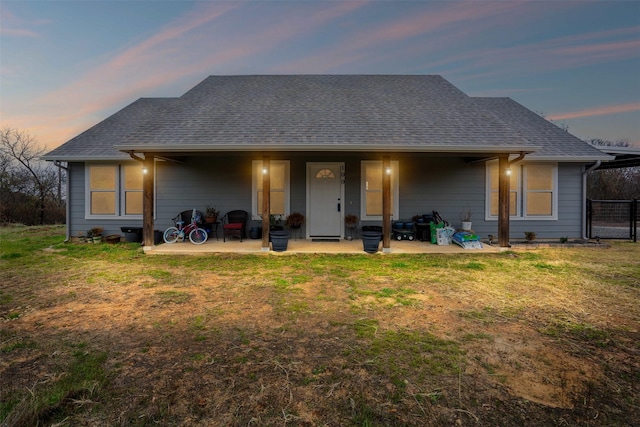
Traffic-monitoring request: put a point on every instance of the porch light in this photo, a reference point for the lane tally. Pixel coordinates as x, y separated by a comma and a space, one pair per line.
265, 171
145, 171
388, 171
508, 171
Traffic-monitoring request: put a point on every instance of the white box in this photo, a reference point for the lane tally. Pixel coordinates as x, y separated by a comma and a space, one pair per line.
443, 237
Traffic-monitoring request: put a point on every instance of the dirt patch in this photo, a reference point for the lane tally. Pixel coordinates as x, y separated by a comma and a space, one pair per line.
223, 346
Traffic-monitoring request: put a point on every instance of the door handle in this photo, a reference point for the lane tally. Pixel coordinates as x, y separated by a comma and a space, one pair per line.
338, 205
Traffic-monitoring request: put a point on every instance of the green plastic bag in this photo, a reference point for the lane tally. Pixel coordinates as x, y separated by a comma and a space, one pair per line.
434, 233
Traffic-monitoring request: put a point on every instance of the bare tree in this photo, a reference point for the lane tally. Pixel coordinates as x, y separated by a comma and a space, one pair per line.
615, 183
561, 125
597, 142
23, 176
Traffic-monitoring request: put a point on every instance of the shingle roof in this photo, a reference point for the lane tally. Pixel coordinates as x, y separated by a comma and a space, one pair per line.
97, 142
322, 112
553, 141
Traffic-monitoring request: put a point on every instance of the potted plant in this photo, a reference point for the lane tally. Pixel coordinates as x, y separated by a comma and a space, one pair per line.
211, 214
350, 221
465, 218
294, 220
530, 236
96, 234
274, 222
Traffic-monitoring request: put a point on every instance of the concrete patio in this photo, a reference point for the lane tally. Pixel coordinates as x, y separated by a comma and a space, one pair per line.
308, 246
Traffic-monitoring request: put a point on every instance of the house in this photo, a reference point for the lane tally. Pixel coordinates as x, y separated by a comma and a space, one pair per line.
377, 146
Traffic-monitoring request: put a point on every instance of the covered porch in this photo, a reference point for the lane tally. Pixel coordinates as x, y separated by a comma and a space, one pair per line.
478, 156
299, 246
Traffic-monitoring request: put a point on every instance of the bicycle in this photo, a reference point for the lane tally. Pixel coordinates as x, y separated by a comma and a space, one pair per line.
197, 235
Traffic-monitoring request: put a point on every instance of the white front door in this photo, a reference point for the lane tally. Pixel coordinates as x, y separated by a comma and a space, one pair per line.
325, 199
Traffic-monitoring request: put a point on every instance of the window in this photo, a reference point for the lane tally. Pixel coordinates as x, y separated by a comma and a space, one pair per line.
533, 191
325, 174
132, 189
371, 189
514, 194
103, 188
113, 191
539, 192
279, 185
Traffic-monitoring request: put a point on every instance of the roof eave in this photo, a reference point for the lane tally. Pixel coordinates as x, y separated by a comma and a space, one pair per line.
412, 148
572, 159
84, 158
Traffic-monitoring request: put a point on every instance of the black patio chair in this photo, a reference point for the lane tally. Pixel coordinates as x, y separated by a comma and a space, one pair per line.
185, 217
234, 223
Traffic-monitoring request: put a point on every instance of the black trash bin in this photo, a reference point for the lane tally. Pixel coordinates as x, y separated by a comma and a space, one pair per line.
132, 234
255, 233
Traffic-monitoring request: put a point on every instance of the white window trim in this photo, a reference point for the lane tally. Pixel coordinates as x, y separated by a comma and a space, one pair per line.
120, 193
256, 211
521, 199
395, 189
554, 193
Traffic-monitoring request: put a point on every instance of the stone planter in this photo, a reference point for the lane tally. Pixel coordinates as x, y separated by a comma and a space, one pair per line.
279, 240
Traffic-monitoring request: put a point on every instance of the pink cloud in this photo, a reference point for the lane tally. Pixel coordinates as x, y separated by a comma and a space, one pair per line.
548, 55
114, 81
447, 24
12, 25
18, 32
162, 58
598, 111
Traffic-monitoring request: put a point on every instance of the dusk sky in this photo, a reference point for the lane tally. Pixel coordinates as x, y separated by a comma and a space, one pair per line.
67, 65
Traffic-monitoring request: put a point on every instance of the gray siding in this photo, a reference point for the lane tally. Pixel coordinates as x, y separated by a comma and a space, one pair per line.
78, 224
446, 184
451, 186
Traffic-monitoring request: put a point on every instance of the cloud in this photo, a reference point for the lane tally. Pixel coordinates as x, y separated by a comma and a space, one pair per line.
190, 45
135, 70
13, 26
597, 111
18, 32
316, 37
440, 30
546, 56
185, 47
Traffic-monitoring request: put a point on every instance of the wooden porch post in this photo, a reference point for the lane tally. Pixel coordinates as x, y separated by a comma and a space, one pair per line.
504, 190
266, 200
147, 199
386, 204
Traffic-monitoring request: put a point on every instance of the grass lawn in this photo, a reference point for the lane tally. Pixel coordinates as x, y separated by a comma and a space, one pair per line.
104, 335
